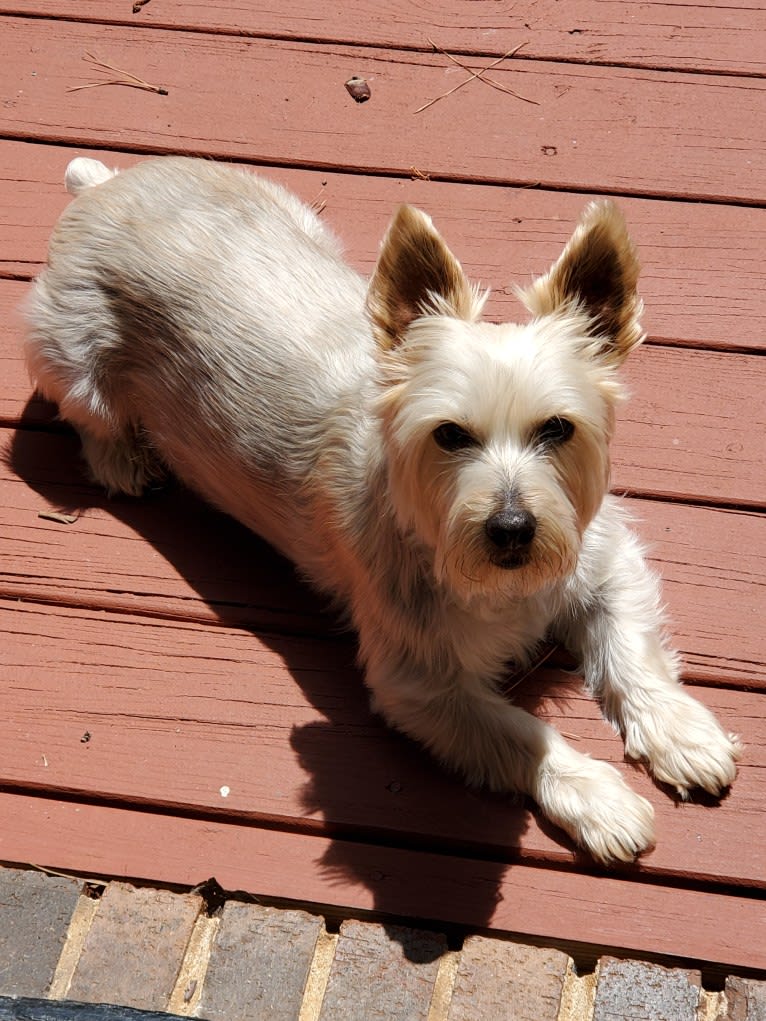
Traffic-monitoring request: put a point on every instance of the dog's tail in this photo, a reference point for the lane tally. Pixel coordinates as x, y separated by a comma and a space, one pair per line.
83, 173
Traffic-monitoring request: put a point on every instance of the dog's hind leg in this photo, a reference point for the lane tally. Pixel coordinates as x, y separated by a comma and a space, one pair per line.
121, 462
71, 350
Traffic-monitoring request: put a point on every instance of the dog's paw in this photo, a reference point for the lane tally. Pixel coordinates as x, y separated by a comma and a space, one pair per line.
685, 746
592, 803
122, 464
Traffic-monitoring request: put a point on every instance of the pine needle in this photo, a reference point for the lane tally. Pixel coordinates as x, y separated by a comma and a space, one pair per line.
480, 74
126, 78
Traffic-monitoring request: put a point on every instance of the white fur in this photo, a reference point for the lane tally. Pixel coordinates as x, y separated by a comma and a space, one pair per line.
198, 318
84, 173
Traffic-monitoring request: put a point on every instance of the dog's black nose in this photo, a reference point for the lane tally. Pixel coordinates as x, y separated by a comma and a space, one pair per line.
511, 529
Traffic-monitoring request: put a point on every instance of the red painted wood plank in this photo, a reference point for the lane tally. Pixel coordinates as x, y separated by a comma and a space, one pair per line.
702, 264
694, 427
167, 554
132, 555
707, 37
598, 909
713, 569
592, 128
275, 729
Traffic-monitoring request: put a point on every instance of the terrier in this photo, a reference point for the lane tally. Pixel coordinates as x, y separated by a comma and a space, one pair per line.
445, 479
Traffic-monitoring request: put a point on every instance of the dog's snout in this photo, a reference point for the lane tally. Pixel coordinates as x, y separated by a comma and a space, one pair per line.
511, 528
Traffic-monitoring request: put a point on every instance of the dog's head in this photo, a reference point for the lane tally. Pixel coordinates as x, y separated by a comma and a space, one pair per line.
497, 436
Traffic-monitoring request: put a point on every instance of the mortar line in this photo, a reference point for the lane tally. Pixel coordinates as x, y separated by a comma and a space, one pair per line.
318, 976
187, 991
79, 927
444, 986
578, 995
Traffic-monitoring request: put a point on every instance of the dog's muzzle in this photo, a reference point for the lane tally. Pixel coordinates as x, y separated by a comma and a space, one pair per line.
511, 532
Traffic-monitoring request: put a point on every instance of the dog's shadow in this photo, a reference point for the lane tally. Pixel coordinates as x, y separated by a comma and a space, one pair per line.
371, 786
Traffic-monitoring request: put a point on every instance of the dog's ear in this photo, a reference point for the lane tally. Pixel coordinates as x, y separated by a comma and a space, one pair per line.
415, 273
598, 273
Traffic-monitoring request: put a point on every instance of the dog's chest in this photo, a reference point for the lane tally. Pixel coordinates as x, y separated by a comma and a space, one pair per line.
484, 639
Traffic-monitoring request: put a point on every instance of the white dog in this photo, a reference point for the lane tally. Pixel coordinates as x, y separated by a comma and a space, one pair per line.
444, 478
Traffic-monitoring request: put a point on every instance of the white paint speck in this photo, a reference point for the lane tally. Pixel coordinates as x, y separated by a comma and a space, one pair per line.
225, 791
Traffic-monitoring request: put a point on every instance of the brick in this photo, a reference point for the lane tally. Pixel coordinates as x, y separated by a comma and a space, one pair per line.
746, 999
35, 911
134, 948
386, 973
259, 964
501, 981
634, 991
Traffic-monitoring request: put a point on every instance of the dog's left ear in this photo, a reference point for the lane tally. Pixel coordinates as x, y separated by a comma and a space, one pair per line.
415, 273
597, 272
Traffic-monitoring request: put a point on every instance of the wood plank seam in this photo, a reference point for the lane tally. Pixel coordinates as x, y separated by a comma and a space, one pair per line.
685, 307
316, 69
456, 47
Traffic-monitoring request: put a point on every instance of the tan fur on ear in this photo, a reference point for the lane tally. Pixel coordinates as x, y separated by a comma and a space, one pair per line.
597, 273
415, 273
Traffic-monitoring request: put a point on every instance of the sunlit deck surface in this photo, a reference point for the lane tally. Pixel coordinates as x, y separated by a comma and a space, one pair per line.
175, 704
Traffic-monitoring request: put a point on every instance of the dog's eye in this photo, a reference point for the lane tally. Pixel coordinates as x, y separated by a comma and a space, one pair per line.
555, 431
451, 436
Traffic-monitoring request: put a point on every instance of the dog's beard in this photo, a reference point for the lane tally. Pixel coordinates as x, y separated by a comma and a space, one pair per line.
466, 562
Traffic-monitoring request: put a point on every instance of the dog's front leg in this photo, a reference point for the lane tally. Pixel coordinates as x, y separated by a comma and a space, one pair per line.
473, 730
617, 631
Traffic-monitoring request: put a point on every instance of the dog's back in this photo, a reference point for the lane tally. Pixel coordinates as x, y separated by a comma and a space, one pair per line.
196, 315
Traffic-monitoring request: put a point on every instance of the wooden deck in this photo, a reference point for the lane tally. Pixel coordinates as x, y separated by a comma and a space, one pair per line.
174, 704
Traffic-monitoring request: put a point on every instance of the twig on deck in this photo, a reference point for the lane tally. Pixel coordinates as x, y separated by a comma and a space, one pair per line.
58, 517
89, 880
138, 5
480, 74
516, 679
131, 80
318, 204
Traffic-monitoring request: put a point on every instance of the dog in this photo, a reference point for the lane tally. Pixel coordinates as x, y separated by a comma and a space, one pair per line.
444, 478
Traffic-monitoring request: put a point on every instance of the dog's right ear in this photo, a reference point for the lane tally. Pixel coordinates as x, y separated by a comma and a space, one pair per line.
416, 273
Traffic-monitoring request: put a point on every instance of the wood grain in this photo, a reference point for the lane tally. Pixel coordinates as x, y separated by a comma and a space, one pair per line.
264, 729
710, 37
587, 128
702, 264
694, 427
548, 903
170, 555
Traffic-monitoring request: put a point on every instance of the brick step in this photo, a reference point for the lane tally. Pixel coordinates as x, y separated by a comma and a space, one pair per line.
147, 950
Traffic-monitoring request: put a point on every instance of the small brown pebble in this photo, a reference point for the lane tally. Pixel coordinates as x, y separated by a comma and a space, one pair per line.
358, 89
